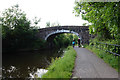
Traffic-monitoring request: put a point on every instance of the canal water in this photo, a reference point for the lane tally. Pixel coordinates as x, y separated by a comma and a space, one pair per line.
28, 64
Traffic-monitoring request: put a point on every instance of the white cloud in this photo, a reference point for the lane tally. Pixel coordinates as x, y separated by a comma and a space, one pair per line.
48, 10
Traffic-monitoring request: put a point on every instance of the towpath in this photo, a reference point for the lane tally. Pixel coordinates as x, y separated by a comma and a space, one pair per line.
88, 65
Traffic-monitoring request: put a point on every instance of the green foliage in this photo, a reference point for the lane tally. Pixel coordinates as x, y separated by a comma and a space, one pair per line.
36, 21
62, 67
48, 24
64, 40
40, 44
84, 24
102, 15
16, 30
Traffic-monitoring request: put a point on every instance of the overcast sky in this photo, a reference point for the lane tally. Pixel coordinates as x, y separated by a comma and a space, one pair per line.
58, 11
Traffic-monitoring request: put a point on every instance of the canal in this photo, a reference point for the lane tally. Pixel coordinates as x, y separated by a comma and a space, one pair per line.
28, 64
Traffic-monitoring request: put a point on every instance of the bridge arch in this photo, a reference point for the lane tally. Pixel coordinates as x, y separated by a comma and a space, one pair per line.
81, 31
63, 31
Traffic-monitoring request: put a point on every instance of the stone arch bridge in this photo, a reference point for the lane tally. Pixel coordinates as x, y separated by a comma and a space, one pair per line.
49, 33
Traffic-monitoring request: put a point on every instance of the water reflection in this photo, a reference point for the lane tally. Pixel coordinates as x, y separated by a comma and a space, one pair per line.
38, 73
13, 71
28, 64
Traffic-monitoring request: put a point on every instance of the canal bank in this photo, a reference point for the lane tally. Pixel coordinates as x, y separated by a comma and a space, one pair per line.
25, 64
62, 67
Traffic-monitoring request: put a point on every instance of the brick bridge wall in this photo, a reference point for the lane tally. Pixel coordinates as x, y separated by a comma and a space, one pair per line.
83, 31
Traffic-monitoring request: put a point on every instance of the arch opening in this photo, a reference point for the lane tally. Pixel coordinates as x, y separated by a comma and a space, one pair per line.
63, 31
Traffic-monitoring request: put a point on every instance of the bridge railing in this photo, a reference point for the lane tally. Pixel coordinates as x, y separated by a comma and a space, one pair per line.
111, 48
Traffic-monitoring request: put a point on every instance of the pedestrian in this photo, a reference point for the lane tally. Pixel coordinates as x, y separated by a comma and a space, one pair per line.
78, 42
73, 43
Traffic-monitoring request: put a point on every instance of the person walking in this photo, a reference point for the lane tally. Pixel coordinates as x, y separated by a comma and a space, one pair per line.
78, 42
73, 43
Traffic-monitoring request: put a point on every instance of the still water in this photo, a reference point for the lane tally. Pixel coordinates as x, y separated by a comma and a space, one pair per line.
27, 64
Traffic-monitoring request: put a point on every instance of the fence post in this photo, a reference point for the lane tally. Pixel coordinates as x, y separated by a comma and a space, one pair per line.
115, 51
96, 44
100, 45
106, 48
118, 50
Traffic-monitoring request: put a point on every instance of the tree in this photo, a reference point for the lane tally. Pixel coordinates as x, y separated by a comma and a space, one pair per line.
35, 22
65, 39
55, 24
48, 24
84, 24
102, 15
16, 30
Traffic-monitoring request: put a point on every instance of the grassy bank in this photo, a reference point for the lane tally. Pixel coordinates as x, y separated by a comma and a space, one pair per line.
62, 67
107, 57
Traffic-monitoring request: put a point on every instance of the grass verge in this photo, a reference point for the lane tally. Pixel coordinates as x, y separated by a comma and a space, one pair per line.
62, 67
107, 57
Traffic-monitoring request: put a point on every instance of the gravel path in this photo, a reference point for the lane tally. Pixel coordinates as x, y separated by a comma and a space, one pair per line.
88, 65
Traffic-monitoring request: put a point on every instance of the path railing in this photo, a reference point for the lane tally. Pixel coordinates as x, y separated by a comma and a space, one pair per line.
111, 48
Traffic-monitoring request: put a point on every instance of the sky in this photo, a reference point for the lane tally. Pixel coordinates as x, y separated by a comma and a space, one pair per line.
53, 11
